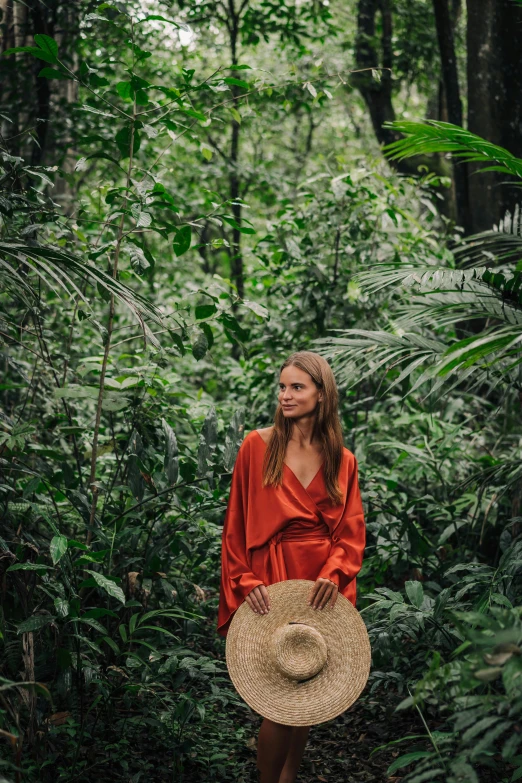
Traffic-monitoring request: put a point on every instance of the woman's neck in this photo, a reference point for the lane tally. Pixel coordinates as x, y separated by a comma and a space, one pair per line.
302, 431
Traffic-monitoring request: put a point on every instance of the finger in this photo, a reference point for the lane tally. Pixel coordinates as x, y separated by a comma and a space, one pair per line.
313, 592
266, 597
320, 592
255, 601
250, 603
261, 599
326, 596
333, 599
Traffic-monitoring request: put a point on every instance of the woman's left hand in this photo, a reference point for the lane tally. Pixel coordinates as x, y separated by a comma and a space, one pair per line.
322, 593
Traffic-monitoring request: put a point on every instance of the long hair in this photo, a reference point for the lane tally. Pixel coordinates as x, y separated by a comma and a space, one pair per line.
327, 428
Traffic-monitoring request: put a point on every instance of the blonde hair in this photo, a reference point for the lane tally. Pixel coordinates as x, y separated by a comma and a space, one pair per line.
327, 428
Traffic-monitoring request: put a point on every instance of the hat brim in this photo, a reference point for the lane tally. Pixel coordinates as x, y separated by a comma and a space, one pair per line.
284, 700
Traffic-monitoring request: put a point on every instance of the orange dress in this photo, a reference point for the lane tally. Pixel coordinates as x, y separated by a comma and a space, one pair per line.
271, 534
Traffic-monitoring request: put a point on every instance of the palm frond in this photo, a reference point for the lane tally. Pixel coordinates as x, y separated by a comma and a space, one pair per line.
478, 291
503, 243
53, 264
433, 136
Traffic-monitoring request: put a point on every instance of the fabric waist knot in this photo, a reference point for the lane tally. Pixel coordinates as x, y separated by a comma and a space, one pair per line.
276, 565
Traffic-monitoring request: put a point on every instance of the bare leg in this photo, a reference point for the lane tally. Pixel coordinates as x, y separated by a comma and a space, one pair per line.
272, 749
295, 754
279, 751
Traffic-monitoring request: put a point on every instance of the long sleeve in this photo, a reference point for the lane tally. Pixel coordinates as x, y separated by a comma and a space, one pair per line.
349, 537
237, 578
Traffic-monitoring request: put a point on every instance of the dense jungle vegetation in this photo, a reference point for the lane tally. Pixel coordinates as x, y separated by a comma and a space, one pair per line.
190, 191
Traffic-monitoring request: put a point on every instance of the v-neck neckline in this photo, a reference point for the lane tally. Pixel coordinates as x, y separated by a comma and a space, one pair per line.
292, 472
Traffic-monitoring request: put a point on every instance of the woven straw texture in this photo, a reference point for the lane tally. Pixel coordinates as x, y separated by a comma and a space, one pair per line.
297, 665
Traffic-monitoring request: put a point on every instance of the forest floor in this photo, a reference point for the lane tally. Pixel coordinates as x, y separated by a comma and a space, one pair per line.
339, 751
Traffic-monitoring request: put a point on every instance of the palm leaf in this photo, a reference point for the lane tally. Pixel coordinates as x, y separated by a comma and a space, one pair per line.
51, 263
433, 136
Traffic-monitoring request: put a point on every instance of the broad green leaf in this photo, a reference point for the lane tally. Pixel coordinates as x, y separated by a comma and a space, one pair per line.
28, 567
35, 51
123, 141
58, 547
125, 91
109, 586
52, 73
415, 592
61, 606
182, 240
46, 44
34, 623
205, 311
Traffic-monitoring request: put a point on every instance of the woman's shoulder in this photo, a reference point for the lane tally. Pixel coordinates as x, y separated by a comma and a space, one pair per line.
348, 456
255, 438
264, 432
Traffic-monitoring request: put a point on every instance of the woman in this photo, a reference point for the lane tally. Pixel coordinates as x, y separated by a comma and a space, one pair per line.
294, 512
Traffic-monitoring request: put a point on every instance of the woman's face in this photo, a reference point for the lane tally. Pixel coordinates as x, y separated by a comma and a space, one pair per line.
298, 394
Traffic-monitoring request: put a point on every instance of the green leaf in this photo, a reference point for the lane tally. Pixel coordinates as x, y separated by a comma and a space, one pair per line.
106, 584
407, 758
58, 547
415, 593
205, 311
199, 344
41, 55
208, 334
62, 607
46, 44
235, 114
182, 240
51, 73
234, 438
125, 91
112, 644
28, 567
123, 141
34, 623
232, 325
236, 82
170, 462
256, 308
239, 226
207, 441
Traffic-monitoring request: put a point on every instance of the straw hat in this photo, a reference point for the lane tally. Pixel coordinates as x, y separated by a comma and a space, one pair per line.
297, 665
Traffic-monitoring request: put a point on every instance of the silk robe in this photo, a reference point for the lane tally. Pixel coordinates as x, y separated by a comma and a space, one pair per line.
271, 534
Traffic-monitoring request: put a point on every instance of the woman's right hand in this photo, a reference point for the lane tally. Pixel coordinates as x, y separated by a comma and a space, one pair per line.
258, 600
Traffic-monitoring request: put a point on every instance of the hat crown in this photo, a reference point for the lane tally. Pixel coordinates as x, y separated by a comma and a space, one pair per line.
299, 650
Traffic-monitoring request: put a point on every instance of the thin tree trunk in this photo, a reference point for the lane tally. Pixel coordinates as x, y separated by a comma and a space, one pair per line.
450, 79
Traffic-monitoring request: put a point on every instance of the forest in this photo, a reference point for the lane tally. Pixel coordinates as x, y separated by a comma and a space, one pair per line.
189, 192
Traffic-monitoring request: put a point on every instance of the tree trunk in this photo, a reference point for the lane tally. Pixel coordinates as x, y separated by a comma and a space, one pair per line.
377, 95
453, 104
494, 44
